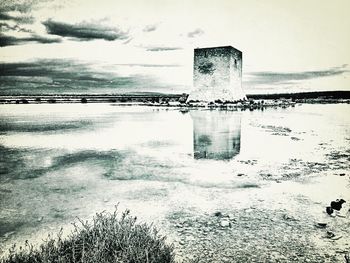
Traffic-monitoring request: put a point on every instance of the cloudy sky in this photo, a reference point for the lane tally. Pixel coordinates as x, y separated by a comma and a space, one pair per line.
113, 46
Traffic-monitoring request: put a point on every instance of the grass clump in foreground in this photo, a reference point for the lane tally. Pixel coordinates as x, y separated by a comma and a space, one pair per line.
106, 239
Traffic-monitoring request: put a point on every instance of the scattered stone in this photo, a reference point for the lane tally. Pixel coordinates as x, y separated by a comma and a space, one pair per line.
209, 223
232, 238
218, 214
178, 225
231, 216
330, 234
336, 238
205, 230
225, 223
341, 251
342, 216
40, 219
288, 218
321, 225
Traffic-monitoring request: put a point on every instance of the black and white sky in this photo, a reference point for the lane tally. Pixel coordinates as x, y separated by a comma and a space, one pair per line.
114, 46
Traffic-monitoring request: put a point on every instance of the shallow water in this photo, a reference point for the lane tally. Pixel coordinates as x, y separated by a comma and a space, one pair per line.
61, 161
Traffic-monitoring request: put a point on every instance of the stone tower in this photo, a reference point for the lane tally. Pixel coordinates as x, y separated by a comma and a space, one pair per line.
217, 74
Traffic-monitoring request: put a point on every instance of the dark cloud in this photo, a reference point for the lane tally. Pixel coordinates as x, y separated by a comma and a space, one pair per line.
276, 78
150, 65
5, 27
45, 67
149, 28
195, 33
84, 31
67, 76
162, 48
11, 41
22, 19
23, 6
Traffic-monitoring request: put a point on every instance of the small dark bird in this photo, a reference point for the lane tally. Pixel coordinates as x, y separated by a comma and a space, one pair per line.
329, 210
336, 205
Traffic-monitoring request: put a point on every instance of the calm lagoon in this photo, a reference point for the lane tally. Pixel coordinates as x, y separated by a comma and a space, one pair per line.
177, 169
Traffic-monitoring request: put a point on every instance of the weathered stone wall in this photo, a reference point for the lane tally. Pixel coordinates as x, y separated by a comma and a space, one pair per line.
236, 74
217, 74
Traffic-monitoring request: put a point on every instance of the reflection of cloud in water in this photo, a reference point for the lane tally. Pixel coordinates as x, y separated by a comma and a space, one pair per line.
216, 134
31, 163
44, 127
24, 163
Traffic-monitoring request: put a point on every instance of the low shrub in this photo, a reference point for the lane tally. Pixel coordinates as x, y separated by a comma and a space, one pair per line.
108, 238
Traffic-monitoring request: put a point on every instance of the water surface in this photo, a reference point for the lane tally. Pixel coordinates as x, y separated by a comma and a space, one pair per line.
59, 162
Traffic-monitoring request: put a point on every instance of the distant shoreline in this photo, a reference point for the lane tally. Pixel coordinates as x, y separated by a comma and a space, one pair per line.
340, 94
159, 98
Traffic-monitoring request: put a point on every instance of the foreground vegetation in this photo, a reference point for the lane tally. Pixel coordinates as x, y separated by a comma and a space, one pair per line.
108, 238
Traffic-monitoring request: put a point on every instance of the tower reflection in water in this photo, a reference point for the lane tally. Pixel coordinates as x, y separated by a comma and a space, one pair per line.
216, 134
